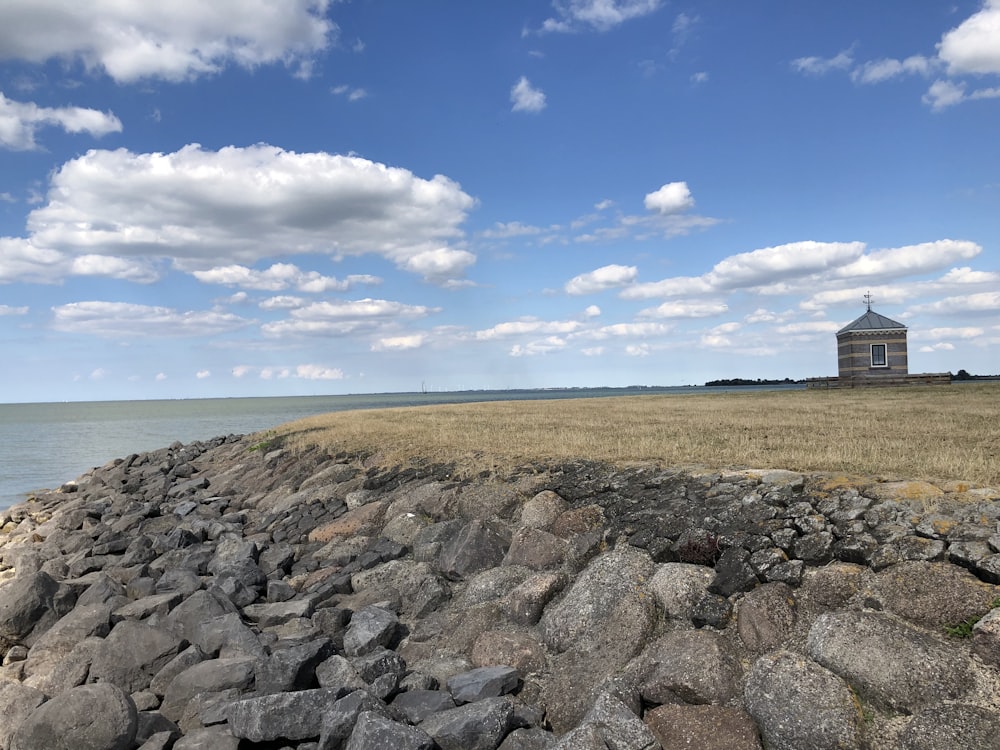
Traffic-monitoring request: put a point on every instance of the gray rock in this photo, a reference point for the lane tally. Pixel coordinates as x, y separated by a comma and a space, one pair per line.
953, 726
30, 604
887, 661
526, 602
187, 658
733, 573
703, 727
474, 726
484, 682
476, 547
986, 637
210, 676
210, 738
89, 717
339, 719
800, 705
584, 737
528, 739
622, 729
607, 607
679, 587
695, 666
337, 671
291, 667
417, 705
59, 640
132, 654
766, 616
371, 629
290, 716
536, 549
17, 701
374, 731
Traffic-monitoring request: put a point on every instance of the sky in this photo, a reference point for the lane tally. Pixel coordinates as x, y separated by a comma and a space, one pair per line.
298, 197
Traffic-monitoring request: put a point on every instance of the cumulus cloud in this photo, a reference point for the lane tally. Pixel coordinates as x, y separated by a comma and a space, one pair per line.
343, 318
398, 343
908, 260
541, 346
20, 260
876, 71
526, 98
596, 15
528, 326
671, 198
843, 60
202, 374
943, 94
20, 121
974, 45
606, 277
792, 260
319, 372
970, 304
205, 210
130, 40
9, 310
685, 309
281, 276
122, 320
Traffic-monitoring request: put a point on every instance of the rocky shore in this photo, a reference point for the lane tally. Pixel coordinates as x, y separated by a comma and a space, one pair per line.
232, 594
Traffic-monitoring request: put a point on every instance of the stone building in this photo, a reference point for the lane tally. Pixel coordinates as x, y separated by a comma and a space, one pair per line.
873, 346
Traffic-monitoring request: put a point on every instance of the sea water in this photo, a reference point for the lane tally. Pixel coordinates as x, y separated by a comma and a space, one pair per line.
43, 445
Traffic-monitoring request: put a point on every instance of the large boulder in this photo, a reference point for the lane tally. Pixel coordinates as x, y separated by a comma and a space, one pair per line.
132, 654
89, 717
800, 705
29, 605
889, 662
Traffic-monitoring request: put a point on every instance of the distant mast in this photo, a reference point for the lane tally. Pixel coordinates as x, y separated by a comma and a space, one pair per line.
868, 301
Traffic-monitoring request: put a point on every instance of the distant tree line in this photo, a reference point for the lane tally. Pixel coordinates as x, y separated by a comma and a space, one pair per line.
747, 381
963, 375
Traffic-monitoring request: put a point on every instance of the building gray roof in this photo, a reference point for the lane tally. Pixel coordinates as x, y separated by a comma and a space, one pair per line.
872, 321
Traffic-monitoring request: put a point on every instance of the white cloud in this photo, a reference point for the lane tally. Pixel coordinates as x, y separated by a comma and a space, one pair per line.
592, 351
20, 260
19, 122
134, 39
343, 318
398, 343
527, 326
671, 198
769, 264
160, 377
209, 209
908, 260
282, 302
440, 264
969, 304
606, 277
9, 310
504, 230
127, 269
124, 320
678, 286
821, 65
542, 346
592, 311
963, 332
99, 374
526, 98
685, 309
943, 346
350, 93
876, 71
974, 45
943, 94
597, 15
627, 330
966, 275
203, 374
280, 276
319, 372
637, 350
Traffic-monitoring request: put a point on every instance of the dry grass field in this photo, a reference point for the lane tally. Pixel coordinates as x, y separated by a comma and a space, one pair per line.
932, 432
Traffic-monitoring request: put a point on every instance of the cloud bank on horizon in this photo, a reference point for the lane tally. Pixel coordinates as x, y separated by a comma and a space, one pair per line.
305, 196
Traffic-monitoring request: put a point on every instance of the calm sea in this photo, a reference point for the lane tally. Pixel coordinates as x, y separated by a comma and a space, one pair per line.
45, 445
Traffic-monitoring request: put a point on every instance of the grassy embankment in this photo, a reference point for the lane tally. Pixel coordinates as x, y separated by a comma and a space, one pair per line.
932, 432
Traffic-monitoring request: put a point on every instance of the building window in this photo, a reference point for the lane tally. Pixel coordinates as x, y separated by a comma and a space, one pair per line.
878, 355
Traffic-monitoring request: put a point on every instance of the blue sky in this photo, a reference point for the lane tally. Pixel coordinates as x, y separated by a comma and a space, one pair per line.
282, 197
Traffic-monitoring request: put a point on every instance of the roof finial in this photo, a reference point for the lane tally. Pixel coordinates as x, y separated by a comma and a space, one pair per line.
868, 300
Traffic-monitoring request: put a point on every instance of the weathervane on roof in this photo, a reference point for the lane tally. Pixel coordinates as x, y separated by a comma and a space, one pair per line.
868, 300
